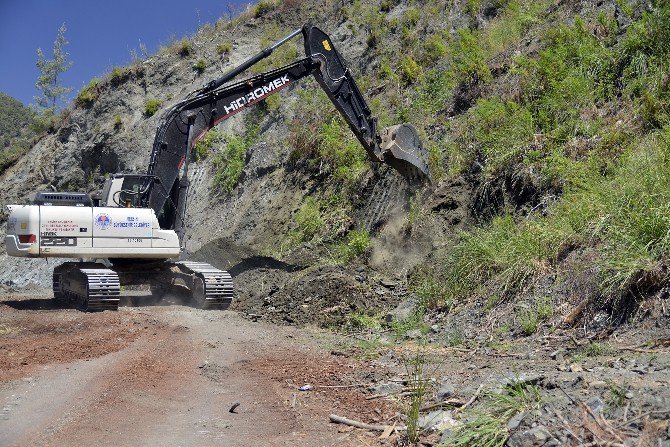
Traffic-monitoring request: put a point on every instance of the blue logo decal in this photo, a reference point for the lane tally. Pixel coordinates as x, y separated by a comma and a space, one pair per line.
103, 221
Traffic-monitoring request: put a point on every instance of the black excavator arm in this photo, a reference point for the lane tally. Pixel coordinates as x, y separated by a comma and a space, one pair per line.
186, 122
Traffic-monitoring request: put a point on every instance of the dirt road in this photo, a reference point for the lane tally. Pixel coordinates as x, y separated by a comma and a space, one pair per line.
167, 376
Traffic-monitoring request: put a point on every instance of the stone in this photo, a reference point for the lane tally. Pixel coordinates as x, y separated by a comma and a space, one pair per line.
388, 284
385, 388
534, 437
438, 420
557, 355
404, 311
598, 384
596, 404
413, 334
576, 367
516, 420
445, 391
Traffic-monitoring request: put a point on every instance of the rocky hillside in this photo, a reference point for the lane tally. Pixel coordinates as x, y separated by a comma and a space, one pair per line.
537, 116
17, 130
547, 126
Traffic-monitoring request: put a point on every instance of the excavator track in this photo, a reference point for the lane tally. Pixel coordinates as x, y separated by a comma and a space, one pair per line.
212, 288
90, 287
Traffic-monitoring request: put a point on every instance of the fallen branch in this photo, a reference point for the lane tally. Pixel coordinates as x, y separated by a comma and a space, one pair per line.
355, 385
637, 418
362, 425
577, 312
449, 402
472, 399
602, 423
641, 350
566, 425
600, 443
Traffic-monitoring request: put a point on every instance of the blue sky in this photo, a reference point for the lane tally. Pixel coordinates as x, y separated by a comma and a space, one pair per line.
101, 33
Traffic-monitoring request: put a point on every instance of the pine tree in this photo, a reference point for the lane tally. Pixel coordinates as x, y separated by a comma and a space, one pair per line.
50, 69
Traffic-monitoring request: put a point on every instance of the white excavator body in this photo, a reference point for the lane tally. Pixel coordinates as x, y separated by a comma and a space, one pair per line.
40, 231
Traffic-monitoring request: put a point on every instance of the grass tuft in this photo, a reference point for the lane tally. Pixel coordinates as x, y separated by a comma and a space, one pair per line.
487, 424
89, 94
151, 106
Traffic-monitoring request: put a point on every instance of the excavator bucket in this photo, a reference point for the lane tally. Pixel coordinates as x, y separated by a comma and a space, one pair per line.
398, 146
401, 148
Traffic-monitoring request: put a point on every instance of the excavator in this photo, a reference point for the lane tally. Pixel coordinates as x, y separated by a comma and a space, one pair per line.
133, 231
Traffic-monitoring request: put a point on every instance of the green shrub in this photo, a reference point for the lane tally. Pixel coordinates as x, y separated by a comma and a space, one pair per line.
487, 424
468, 58
263, 7
431, 290
644, 62
410, 70
119, 74
118, 122
500, 130
224, 48
200, 66
530, 316
411, 17
340, 149
359, 321
434, 49
574, 72
184, 47
308, 220
229, 162
387, 5
151, 106
357, 243
272, 103
205, 144
511, 24
10, 155
89, 94
595, 349
623, 215
473, 7
618, 394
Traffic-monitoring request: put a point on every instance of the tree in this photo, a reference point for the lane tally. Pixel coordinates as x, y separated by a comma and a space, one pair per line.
50, 69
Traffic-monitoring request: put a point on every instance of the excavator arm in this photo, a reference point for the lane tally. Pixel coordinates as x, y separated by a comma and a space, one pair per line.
187, 121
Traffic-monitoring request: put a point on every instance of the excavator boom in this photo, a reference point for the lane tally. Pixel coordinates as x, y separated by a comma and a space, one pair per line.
186, 122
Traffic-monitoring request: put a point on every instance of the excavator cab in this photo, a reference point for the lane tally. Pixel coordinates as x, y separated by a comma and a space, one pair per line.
126, 190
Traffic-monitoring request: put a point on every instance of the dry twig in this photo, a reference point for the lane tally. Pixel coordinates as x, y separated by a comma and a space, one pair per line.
358, 424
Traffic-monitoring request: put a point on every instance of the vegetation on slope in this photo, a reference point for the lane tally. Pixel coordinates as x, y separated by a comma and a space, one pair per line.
15, 130
584, 110
613, 170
